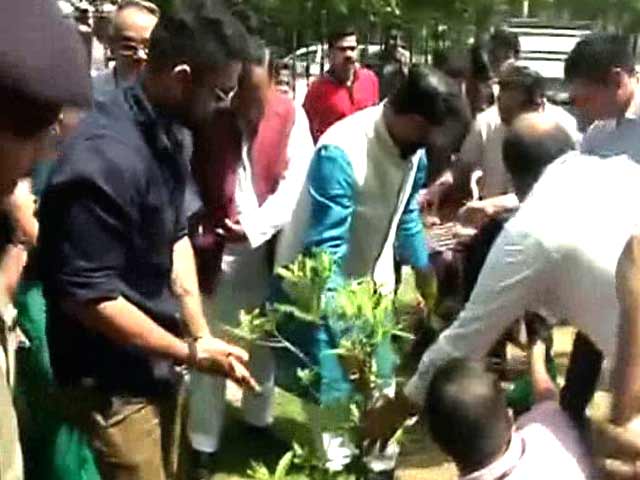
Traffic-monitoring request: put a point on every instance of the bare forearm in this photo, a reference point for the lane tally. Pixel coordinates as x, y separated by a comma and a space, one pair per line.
184, 281
626, 375
543, 386
125, 324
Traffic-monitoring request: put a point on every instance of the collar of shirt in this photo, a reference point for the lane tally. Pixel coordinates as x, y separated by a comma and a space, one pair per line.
160, 131
633, 112
386, 143
356, 76
505, 465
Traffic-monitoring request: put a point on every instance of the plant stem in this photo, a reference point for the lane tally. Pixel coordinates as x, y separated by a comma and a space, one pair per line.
293, 349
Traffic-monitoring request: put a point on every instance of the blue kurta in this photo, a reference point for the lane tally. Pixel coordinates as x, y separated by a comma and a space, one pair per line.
360, 205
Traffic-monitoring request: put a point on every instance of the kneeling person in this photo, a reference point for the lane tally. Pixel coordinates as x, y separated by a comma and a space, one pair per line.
468, 418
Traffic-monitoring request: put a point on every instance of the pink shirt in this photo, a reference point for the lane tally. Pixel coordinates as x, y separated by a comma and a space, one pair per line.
545, 446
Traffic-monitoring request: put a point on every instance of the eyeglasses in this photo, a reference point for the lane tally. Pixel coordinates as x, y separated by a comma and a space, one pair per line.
129, 48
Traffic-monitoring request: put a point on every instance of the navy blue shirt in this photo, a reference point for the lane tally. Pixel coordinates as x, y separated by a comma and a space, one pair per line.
109, 219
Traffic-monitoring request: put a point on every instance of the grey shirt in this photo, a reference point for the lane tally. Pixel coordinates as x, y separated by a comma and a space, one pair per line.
608, 138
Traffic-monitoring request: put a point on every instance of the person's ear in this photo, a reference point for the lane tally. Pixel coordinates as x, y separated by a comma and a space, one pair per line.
617, 78
182, 74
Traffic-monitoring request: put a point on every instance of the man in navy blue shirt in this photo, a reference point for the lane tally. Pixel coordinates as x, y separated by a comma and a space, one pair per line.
118, 269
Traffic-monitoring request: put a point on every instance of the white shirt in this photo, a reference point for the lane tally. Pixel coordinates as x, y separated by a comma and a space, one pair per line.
261, 222
607, 138
103, 83
557, 254
544, 445
483, 146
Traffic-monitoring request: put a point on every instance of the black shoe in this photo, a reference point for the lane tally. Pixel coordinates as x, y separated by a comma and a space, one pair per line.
386, 475
202, 464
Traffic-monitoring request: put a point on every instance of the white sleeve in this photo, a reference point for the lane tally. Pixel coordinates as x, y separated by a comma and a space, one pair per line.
472, 148
263, 222
512, 280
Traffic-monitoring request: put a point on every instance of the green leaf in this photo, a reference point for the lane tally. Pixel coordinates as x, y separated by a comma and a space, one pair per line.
283, 466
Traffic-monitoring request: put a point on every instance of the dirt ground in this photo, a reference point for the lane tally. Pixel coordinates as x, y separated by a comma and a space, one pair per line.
420, 458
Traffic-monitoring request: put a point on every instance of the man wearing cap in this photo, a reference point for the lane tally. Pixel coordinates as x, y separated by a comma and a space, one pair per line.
37, 77
120, 279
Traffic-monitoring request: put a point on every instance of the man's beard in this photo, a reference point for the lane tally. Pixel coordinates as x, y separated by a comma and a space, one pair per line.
344, 71
410, 149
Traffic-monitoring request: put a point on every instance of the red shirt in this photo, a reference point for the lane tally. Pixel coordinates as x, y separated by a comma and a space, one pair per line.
328, 101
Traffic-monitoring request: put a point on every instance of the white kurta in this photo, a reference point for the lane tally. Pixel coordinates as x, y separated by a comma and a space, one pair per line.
558, 253
243, 284
483, 146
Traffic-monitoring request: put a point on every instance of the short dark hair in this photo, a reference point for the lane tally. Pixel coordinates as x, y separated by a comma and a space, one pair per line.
596, 55
467, 414
524, 79
453, 62
430, 94
339, 33
502, 38
257, 52
526, 153
200, 33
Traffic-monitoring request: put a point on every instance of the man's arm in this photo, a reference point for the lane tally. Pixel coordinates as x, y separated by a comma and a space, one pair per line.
86, 256
263, 222
410, 243
543, 386
184, 282
310, 105
626, 375
123, 323
511, 281
330, 183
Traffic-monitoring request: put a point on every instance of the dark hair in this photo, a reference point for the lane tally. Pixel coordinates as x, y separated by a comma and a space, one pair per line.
339, 33
479, 60
453, 63
595, 55
528, 81
257, 51
505, 39
467, 413
527, 152
25, 116
200, 33
430, 94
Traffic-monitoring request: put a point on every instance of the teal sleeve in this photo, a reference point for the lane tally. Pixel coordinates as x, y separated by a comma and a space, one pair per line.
331, 188
410, 243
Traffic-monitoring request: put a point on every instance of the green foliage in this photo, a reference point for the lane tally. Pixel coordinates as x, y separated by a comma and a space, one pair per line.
360, 315
305, 280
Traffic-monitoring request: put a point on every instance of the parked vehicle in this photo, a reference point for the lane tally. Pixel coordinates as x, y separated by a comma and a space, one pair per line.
308, 60
544, 46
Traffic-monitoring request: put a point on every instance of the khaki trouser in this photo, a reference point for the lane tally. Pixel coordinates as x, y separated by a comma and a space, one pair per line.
132, 438
10, 454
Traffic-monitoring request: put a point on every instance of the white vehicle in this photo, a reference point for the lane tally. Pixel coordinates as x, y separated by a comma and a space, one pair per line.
544, 47
308, 59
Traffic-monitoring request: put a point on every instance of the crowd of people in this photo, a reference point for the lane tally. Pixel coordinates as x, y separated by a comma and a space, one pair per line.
145, 204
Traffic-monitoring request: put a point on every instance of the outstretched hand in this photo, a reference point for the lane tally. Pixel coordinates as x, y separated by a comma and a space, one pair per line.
382, 421
219, 357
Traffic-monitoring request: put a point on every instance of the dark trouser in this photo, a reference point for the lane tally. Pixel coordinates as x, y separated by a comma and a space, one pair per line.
132, 438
